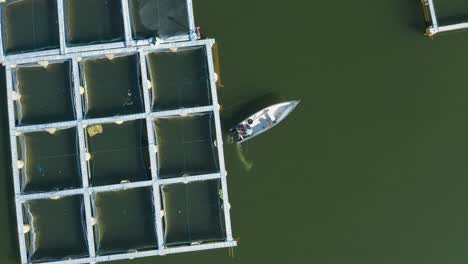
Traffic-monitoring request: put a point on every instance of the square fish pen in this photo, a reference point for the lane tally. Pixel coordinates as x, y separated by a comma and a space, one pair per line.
31, 28
454, 20
151, 159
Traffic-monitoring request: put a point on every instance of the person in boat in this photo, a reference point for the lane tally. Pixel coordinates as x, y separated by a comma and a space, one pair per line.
245, 130
248, 127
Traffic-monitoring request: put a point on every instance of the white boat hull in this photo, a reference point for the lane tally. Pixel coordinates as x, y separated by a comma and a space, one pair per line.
263, 120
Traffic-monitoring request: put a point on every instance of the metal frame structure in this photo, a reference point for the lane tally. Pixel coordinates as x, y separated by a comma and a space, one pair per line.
76, 54
431, 18
128, 39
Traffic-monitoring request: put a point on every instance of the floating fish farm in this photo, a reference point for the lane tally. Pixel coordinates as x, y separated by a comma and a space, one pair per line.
115, 130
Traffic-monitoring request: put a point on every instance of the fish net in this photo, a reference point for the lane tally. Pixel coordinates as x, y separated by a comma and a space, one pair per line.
193, 213
159, 18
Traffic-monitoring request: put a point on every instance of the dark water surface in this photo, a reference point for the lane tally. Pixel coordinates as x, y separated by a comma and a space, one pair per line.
93, 21
30, 25
370, 168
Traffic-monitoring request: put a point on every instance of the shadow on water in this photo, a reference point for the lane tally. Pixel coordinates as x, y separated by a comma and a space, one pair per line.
8, 221
411, 13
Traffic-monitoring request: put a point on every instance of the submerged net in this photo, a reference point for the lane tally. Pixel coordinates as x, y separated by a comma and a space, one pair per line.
124, 221
57, 229
33, 84
159, 18
29, 25
186, 146
93, 21
179, 79
451, 12
193, 213
118, 153
50, 160
112, 86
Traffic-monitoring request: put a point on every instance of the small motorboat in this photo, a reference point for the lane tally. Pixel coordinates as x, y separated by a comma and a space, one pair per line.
262, 121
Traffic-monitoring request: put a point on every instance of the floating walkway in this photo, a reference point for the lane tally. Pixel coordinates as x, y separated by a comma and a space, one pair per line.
75, 55
433, 26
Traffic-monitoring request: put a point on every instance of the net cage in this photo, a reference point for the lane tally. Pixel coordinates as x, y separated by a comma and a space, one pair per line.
54, 83
118, 176
160, 18
111, 86
29, 25
451, 12
55, 26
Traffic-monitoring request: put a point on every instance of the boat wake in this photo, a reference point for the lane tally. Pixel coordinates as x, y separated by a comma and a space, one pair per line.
246, 163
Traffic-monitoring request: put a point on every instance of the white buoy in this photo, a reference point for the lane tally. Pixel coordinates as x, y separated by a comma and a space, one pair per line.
16, 96
88, 156
174, 49
20, 164
149, 84
26, 228
218, 107
78, 59
18, 133
124, 181
162, 213
216, 77
82, 90
44, 63
119, 122
228, 206
93, 221
51, 130
12, 66
183, 114
110, 56
215, 143
158, 41
56, 197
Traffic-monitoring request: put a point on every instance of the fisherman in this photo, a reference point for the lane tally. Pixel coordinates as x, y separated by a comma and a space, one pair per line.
245, 130
248, 127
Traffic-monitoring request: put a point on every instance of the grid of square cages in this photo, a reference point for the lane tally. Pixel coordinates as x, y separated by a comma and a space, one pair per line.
53, 27
133, 136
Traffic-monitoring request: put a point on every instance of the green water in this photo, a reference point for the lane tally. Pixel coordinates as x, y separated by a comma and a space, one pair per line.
46, 94
58, 229
185, 146
370, 168
192, 213
51, 161
119, 153
93, 21
134, 229
162, 18
112, 86
179, 79
30, 25
451, 11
